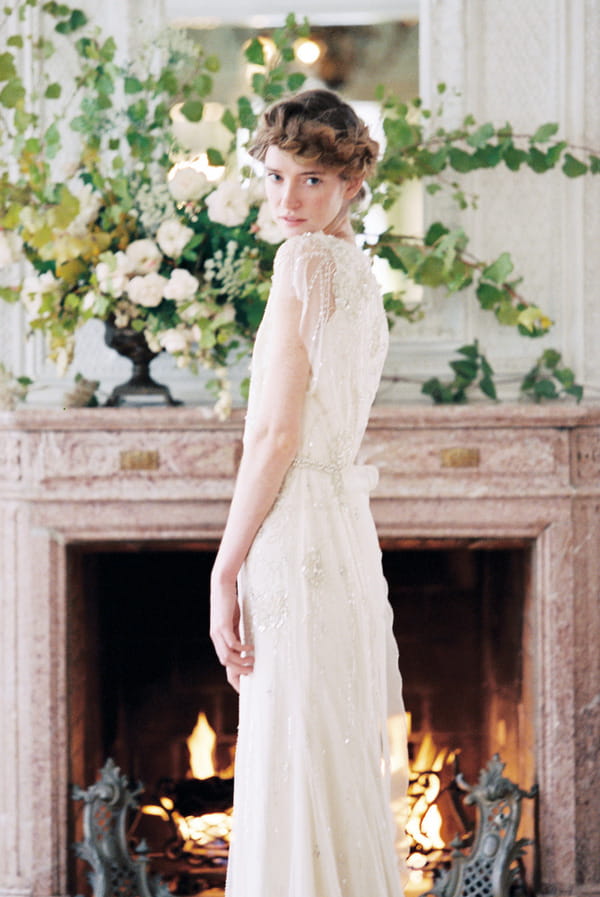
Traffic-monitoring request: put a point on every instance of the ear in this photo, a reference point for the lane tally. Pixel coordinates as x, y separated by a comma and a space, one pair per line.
352, 187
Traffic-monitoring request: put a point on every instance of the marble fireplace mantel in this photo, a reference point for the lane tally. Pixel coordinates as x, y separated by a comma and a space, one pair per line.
481, 473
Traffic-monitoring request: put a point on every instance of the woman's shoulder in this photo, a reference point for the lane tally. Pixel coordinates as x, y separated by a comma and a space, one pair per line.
313, 245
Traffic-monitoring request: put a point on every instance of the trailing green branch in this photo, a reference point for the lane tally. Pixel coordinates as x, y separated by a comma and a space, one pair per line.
471, 370
416, 150
440, 260
548, 379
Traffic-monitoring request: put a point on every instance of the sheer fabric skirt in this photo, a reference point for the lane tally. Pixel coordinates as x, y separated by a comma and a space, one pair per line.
312, 815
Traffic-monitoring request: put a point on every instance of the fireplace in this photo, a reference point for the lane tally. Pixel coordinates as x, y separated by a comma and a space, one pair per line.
499, 503
143, 675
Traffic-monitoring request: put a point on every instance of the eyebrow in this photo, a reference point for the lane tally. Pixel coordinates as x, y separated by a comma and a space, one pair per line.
303, 173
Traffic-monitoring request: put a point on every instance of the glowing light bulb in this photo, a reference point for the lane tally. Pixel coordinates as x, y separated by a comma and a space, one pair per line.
307, 51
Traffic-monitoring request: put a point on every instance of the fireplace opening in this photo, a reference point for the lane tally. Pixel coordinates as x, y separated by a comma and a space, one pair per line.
143, 678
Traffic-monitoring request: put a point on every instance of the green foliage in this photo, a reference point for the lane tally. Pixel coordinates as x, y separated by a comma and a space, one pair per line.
473, 369
549, 379
119, 116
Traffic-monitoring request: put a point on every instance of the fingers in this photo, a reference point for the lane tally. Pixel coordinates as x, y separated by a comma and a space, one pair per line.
233, 654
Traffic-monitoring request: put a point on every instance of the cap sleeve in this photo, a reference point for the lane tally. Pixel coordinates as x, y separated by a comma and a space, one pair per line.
304, 265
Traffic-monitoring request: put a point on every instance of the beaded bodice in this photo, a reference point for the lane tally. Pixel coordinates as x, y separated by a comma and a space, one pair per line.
344, 328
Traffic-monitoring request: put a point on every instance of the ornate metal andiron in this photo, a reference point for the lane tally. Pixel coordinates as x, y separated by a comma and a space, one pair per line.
492, 865
115, 872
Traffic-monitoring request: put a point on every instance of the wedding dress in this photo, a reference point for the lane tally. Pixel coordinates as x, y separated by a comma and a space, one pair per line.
312, 813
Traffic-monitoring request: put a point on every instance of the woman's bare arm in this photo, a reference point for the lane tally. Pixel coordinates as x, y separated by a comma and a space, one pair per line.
270, 447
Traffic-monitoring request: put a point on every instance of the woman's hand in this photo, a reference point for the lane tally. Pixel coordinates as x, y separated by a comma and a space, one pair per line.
236, 657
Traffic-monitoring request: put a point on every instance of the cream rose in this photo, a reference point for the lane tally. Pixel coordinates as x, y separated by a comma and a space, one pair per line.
147, 289
228, 204
144, 256
187, 183
181, 285
172, 237
173, 340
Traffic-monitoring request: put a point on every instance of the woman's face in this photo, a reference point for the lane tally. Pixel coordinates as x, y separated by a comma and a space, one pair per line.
306, 196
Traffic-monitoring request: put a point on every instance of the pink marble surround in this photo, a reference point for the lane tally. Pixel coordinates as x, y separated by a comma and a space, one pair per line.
477, 473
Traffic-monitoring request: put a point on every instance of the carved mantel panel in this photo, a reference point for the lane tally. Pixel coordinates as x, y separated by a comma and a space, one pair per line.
481, 472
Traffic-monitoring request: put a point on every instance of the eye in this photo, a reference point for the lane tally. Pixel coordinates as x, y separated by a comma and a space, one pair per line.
273, 176
313, 180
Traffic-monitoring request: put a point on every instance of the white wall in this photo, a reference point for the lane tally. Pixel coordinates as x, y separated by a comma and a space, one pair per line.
527, 63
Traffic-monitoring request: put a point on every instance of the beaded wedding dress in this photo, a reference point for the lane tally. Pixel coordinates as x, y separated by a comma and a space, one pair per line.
312, 814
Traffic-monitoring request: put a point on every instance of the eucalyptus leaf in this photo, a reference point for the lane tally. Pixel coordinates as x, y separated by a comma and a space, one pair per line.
545, 132
53, 91
460, 160
499, 270
193, 110
295, 81
489, 296
434, 232
254, 52
572, 167
480, 137
12, 93
215, 157
488, 388
132, 85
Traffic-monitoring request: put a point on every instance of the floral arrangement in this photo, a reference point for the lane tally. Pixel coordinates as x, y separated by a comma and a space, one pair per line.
136, 232
127, 228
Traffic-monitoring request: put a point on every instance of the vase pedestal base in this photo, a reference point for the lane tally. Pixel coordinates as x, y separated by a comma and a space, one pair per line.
136, 392
140, 389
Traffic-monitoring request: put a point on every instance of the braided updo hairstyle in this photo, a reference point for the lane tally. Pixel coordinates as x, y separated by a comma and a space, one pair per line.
318, 126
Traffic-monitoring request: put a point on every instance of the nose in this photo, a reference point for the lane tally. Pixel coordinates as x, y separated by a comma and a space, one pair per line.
291, 198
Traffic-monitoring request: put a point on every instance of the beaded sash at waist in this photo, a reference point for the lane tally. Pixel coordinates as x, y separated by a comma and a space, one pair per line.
348, 476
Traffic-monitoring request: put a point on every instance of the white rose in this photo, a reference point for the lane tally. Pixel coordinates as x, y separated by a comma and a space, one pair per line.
187, 183
173, 340
181, 285
267, 227
147, 289
228, 204
10, 248
144, 256
172, 237
113, 275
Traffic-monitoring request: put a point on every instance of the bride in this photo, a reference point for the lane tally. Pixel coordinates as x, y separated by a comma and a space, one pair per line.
299, 611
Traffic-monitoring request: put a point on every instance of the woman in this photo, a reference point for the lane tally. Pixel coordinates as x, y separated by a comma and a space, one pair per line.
313, 654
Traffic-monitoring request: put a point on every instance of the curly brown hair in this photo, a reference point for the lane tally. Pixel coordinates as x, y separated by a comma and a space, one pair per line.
317, 125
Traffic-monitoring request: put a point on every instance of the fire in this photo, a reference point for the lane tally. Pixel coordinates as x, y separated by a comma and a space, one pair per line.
198, 833
424, 825
211, 832
201, 745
